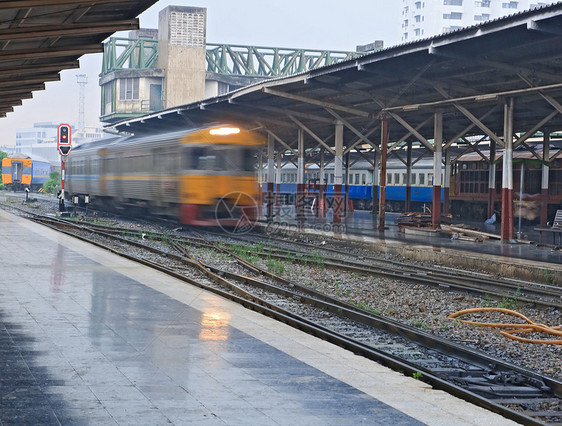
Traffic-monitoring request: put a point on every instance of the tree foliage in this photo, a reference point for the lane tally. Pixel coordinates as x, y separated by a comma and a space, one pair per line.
53, 184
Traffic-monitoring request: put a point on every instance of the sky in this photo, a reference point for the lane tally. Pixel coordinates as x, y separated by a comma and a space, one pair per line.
309, 24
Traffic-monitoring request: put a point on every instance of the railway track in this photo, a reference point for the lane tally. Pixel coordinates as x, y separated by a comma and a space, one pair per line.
516, 393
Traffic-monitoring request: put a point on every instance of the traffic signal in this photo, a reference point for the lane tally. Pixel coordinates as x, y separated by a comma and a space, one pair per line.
63, 139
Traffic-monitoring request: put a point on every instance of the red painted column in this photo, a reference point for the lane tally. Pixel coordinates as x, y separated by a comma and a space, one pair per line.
507, 175
437, 157
322, 188
382, 186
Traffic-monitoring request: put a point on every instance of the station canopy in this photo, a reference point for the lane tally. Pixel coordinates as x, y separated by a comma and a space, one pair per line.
468, 75
40, 38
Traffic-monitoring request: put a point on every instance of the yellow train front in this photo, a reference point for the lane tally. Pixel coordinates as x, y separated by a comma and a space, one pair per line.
203, 176
219, 177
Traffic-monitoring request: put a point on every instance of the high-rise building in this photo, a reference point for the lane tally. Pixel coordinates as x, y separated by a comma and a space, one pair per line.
427, 18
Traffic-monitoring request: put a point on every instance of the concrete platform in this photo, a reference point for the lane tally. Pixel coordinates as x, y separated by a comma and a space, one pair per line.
87, 337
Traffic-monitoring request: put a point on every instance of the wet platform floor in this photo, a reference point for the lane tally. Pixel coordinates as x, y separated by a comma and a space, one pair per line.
87, 337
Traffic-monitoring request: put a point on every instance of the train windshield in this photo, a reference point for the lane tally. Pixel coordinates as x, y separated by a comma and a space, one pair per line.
220, 158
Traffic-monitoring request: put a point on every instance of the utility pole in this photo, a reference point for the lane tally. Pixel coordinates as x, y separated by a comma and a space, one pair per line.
82, 80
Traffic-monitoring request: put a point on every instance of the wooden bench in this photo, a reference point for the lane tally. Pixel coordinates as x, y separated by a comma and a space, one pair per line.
555, 231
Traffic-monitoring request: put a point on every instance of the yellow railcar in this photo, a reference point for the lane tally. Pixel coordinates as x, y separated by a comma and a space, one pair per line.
20, 171
202, 176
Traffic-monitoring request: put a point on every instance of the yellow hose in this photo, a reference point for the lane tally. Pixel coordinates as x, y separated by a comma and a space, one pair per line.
530, 327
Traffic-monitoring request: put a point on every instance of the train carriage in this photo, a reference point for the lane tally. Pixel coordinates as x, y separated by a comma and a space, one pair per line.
20, 171
200, 176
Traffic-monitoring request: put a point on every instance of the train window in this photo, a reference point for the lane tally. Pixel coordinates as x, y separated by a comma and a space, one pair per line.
389, 178
396, 178
363, 179
249, 160
473, 166
464, 166
484, 166
413, 178
430, 179
422, 178
404, 178
331, 178
203, 159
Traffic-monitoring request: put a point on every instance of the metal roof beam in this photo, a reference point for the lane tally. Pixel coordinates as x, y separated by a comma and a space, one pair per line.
535, 128
312, 134
317, 102
59, 52
19, 4
544, 27
284, 111
417, 134
353, 129
35, 80
479, 124
39, 69
29, 33
467, 128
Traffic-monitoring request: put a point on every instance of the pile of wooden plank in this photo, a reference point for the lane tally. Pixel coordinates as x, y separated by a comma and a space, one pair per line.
467, 233
419, 220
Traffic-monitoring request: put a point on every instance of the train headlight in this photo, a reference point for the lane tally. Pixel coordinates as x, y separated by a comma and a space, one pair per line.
225, 131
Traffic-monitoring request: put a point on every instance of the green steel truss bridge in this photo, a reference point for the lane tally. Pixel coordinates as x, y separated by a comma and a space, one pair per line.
231, 60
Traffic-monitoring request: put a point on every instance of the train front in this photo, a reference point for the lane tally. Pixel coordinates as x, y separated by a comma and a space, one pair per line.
219, 185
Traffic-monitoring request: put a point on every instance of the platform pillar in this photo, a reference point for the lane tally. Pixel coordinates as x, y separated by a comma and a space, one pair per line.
346, 187
507, 174
437, 158
492, 179
447, 182
544, 180
269, 199
338, 172
278, 171
375, 190
300, 178
408, 200
382, 186
322, 187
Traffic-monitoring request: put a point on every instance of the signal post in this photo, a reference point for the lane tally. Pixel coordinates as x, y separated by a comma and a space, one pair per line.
64, 147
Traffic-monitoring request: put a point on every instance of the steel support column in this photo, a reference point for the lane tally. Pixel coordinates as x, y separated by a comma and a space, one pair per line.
507, 174
300, 178
338, 168
492, 179
447, 182
278, 186
346, 187
408, 200
437, 158
382, 186
375, 191
269, 199
544, 180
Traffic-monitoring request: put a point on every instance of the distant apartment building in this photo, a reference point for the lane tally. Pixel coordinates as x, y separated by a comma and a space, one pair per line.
427, 18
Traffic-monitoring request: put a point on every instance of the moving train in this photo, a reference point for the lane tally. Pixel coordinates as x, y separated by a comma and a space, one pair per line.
20, 171
203, 176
